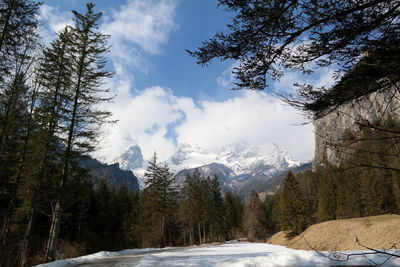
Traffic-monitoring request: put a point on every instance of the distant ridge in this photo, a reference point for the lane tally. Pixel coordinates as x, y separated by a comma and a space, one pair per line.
112, 173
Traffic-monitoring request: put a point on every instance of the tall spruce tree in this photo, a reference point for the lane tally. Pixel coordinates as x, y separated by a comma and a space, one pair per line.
82, 119
215, 208
327, 197
233, 213
270, 214
18, 23
293, 210
252, 219
18, 43
53, 76
158, 203
190, 206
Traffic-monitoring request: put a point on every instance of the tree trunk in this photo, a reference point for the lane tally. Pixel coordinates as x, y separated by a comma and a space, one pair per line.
54, 229
204, 233
199, 233
53, 234
5, 229
163, 232
25, 241
191, 234
211, 233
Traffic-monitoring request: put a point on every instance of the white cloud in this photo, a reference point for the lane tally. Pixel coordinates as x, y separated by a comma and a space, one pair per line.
227, 78
321, 77
148, 117
326, 78
143, 119
254, 117
137, 28
140, 26
53, 20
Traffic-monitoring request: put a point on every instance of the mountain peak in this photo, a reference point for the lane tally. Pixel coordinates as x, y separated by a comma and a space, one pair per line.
185, 153
132, 158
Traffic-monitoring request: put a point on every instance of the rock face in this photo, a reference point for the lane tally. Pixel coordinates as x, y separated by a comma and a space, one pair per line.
334, 130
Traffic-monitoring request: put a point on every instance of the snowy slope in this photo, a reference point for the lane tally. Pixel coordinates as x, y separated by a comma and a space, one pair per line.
230, 255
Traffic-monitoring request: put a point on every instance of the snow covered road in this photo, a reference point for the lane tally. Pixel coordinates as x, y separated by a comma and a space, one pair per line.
224, 255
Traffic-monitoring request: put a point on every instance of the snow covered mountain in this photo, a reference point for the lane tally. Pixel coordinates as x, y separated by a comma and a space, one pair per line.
240, 157
238, 165
132, 158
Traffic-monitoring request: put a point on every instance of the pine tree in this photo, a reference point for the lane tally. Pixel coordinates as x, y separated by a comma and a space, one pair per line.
188, 208
270, 216
348, 193
293, 210
13, 137
309, 182
373, 192
18, 43
199, 205
214, 207
83, 120
18, 23
54, 78
268, 38
233, 212
327, 201
158, 202
252, 219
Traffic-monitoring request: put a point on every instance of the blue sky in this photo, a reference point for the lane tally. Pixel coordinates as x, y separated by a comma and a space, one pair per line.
164, 98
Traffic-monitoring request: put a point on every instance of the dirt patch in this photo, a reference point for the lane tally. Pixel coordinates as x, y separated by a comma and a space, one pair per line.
380, 232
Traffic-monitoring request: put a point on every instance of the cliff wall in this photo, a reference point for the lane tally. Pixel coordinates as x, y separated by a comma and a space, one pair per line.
333, 131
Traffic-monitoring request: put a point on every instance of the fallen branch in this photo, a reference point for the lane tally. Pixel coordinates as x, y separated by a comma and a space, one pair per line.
342, 257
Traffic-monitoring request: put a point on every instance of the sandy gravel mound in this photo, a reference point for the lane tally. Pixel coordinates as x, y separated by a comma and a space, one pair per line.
376, 231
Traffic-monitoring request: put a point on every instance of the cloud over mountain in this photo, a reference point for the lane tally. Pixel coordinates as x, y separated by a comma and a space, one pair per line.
158, 120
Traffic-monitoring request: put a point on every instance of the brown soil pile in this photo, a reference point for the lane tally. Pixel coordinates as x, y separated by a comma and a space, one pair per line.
377, 232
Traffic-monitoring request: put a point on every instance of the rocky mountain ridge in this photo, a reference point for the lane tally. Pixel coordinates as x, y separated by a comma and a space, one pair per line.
112, 173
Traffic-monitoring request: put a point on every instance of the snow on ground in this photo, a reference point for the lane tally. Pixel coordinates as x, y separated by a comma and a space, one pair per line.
235, 254
251, 254
98, 255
